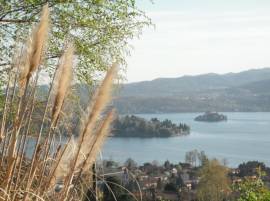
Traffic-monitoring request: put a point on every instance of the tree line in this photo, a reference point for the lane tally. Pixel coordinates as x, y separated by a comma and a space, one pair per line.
133, 126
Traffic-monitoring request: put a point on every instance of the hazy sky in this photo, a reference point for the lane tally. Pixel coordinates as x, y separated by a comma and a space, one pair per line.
201, 36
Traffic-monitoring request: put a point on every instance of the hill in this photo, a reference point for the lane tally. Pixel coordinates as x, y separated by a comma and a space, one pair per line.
245, 91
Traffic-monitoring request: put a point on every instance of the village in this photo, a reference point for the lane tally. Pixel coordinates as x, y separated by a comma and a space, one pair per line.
174, 182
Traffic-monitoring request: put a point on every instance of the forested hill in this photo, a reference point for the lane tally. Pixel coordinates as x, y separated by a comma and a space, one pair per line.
247, 91
174, 86
244, 91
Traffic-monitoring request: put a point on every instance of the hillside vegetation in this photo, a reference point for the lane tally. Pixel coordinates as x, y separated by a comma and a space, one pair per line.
246, 91
133, 126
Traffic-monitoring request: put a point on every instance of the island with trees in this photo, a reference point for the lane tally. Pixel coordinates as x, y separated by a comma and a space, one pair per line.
133, 126
211, 117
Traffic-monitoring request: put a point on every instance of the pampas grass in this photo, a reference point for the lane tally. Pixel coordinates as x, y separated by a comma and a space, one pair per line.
63, 82
36, 175
34, 49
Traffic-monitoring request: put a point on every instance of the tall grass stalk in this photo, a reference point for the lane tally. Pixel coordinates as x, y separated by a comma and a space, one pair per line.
35, 173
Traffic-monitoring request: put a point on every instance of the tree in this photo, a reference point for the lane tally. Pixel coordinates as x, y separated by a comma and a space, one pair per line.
191, 157
110, 163
194, 155
250, 168
100, 29
251, 190
171, 187
133, 126
130, 164
167, 165
114, 191
214, 184
202, 158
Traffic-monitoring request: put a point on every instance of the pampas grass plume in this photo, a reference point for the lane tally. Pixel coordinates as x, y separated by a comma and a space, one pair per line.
63, 82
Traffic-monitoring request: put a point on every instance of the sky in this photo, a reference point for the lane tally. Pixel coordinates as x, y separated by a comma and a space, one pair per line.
193, 37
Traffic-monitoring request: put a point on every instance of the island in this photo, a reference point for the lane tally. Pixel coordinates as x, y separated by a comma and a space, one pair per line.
134, 126
211, 117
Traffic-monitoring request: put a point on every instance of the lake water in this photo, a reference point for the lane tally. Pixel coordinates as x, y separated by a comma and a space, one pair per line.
244, 137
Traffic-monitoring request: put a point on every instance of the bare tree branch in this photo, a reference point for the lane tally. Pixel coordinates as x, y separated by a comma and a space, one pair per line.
14, 21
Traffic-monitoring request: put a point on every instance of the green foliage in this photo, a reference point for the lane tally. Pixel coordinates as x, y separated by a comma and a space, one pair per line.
252, 190
171, 187
2, 96
2, 101
113, 190
133, 126
250, 168
100, 29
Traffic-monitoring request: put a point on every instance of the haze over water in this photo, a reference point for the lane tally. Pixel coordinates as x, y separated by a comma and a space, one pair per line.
244, 137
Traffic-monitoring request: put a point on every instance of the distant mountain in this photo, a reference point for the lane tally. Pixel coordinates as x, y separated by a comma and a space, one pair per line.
172, 86
244, 91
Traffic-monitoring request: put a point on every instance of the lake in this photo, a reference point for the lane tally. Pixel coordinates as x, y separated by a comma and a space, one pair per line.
244, 137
